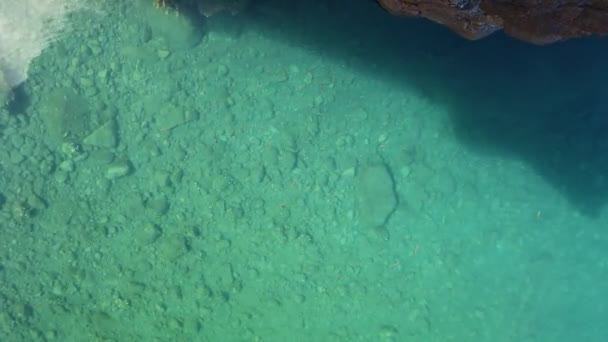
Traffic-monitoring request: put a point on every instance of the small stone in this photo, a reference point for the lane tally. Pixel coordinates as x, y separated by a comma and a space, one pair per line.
161, 178
176, 177
95, 49
349, 172
46, 167
159, 205
149, 233
103, 74
118, 169
163, 53
222, 70
405, 171
382, 138
61, 177
67, 166
300, 298
36, 202
50, 335
388, 332
318, 100
308, 78
293, 69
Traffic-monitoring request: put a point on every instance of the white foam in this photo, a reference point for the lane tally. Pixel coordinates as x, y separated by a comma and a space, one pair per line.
27, 27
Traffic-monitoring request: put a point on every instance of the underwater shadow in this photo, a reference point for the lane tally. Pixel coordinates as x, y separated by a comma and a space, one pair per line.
546, 106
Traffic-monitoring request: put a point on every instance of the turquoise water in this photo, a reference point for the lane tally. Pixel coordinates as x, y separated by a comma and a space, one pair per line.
303, 172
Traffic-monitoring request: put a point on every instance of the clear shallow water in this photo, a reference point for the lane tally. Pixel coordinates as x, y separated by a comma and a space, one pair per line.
302, 173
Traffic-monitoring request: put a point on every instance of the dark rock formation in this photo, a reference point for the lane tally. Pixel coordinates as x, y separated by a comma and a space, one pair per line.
535, 21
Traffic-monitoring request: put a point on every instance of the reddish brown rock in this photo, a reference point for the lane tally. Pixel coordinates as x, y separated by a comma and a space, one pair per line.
536, 21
